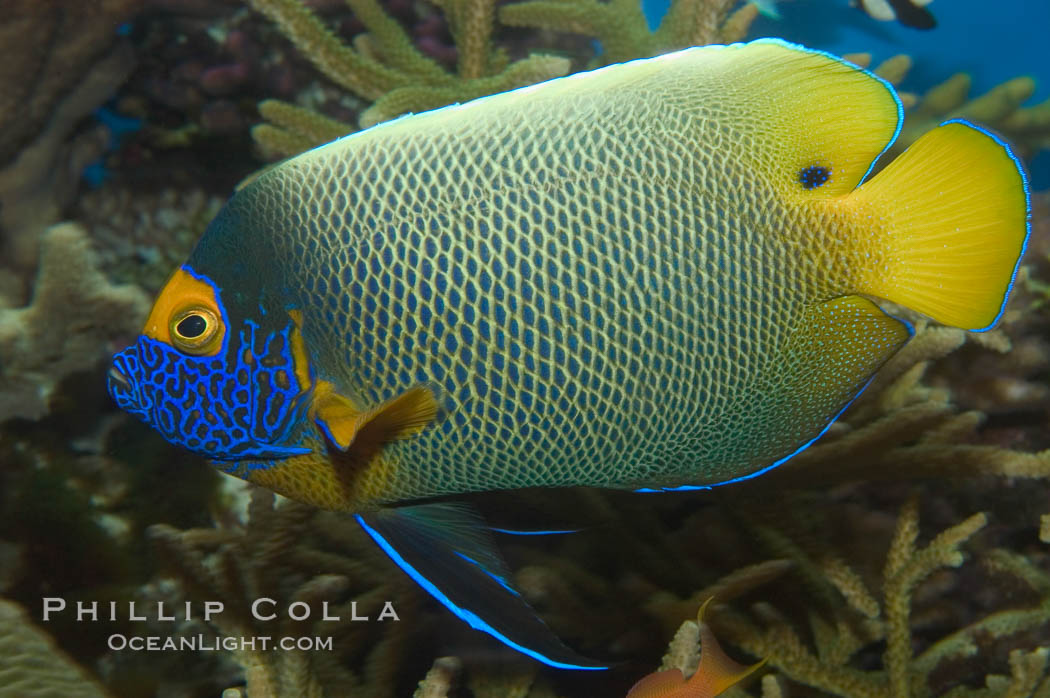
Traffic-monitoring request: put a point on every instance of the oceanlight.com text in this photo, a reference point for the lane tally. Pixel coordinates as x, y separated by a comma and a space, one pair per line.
202, 643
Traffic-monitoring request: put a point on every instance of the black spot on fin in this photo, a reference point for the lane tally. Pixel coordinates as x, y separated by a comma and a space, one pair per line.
912, 15
447, 550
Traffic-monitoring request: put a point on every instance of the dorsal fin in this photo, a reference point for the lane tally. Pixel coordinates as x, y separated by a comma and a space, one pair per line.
802, 112
772, 107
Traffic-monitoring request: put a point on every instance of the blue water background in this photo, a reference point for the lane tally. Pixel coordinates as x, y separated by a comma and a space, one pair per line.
992, 40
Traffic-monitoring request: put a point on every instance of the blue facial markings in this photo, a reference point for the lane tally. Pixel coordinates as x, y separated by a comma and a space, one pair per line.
237, 405
277, 405
124, 392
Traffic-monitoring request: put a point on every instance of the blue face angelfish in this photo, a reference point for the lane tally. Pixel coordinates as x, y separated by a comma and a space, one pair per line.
656, 275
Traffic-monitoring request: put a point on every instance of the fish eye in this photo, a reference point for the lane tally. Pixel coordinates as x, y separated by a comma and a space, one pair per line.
194, 330
192, 326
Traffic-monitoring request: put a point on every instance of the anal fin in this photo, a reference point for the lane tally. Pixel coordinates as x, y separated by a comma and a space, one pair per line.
825, 364
841, 343
447, 550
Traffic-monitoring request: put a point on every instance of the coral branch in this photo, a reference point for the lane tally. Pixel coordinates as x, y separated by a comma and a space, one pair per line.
74, 316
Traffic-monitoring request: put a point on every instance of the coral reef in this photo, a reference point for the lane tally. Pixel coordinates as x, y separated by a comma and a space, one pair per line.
386, 68
202, 68
31, 665
64, 59
440, 679
808, 567
276, 553
860, 622
75, 319
141, 236
622, 30
1001, 108
1027, 128
1036, 276
50, 47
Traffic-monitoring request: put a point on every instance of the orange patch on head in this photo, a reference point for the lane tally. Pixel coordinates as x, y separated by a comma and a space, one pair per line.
182, 297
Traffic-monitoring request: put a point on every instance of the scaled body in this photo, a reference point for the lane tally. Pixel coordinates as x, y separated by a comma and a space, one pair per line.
601, 279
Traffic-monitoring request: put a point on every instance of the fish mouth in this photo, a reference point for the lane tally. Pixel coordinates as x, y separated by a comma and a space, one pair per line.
118, 382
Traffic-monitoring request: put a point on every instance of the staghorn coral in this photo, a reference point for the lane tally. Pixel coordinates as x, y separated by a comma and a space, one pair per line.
386, 68
64, 59
32, 666
1028, 128
1001, 108
1027, 678
440, 679
622, 30
74, 315
269, 557
828, 660
1035, 278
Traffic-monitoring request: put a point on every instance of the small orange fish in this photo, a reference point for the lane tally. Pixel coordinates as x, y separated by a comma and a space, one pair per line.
716, 673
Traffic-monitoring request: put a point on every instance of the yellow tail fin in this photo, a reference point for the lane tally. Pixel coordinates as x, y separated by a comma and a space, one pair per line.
954, 213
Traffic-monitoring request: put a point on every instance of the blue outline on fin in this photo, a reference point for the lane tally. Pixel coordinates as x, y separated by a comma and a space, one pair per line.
502, 581
1027, 203
470, 618
512, 532
691, 488
323, 426
574, 76
889, 88
911, 333
785, 459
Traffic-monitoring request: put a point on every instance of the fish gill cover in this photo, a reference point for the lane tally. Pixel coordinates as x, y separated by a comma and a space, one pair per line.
902, 554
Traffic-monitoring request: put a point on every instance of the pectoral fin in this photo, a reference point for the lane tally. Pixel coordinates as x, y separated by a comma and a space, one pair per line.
447, 550
367, 431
